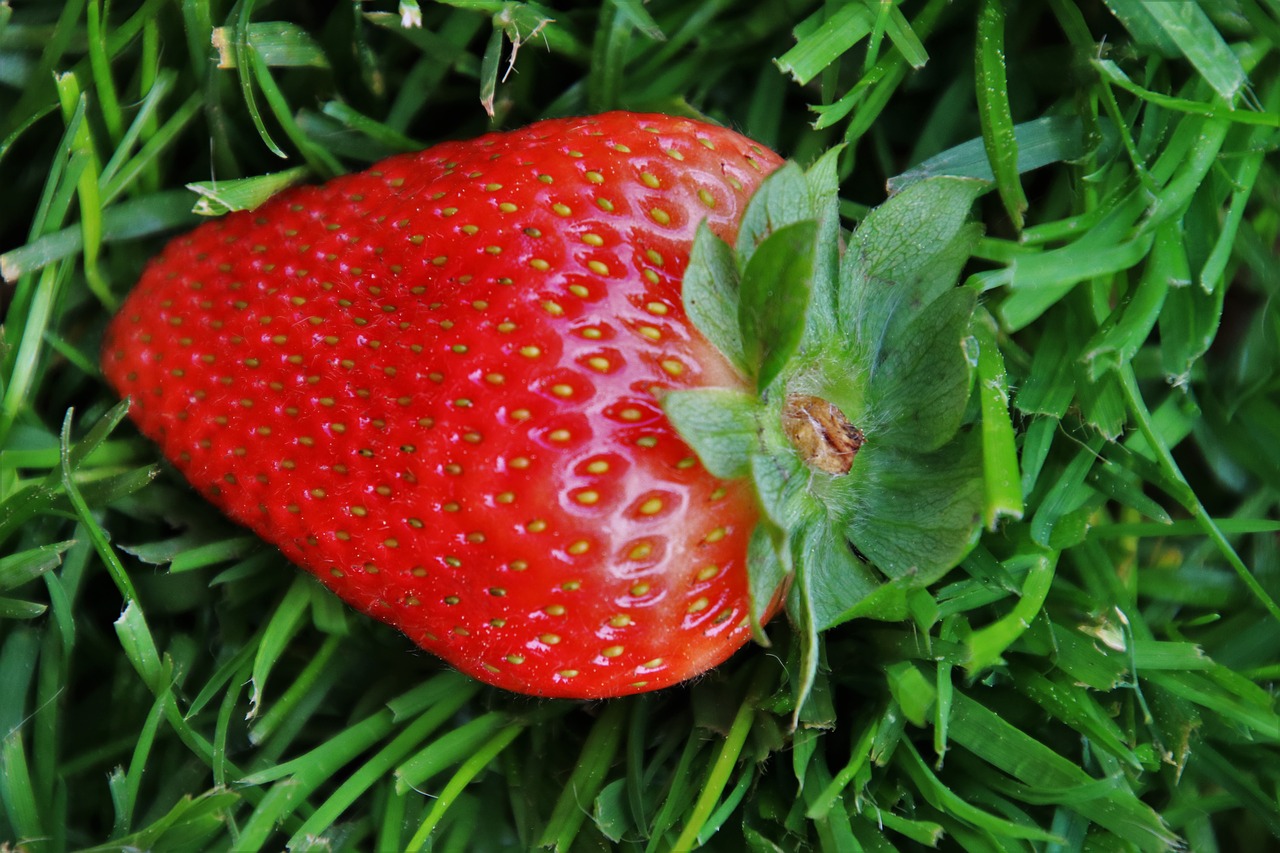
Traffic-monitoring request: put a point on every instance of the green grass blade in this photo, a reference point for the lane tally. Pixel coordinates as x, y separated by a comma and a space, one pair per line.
1001, 478
994, 111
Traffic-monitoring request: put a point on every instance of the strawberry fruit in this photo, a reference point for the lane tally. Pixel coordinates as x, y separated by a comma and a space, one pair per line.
435, 386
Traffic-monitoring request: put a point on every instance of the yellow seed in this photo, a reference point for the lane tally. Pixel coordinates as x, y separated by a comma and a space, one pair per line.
708, 573
660, 216
550, 639
579, 291
715, 535
657, 308
640, 552
587, 497
592, 333
518, 565
622, 620
579, 547
651, 333
598, 466
495, 378
530, 351
505, 497
653, 664
598, 267
539, 264
568, 673
521, 414
595, 177
515, 659
630, 415
559, 435
536, 526
561, 209
650, 180
670, 365
562, 390
611, 651
653, 506
554, 610
698, 606
553, 308
599, 363
706, 198
592, 239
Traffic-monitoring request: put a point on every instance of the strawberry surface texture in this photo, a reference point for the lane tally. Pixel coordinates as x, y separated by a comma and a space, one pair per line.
435, 386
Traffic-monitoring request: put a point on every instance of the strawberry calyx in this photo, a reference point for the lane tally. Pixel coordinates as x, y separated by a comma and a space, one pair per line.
857, 434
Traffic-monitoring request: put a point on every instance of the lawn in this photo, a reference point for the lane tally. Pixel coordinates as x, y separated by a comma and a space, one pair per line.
1099, 672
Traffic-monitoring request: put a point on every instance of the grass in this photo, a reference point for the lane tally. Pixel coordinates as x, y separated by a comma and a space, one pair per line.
1098, 674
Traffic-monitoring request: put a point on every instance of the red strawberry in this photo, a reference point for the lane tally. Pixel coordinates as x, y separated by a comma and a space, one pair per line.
432, 384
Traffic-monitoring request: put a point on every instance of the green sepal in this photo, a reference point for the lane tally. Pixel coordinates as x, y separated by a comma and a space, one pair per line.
710, 294
920, 379
837, 578
767, 570
720, 424
800, 602
781, 200
905, 254
823, 181
919, 513
774, 298
782, 481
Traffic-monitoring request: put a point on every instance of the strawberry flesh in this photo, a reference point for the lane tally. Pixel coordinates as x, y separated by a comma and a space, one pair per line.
432, 385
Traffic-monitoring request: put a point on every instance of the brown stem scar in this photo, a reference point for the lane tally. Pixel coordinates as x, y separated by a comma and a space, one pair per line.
821, 433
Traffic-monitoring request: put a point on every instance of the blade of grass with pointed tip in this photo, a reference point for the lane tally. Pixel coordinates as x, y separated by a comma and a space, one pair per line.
994, 112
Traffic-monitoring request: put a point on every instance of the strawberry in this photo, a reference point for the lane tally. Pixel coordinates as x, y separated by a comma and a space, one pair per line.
435, 386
